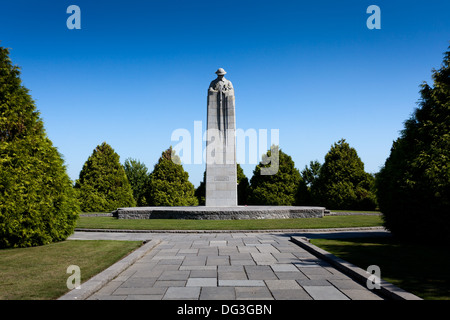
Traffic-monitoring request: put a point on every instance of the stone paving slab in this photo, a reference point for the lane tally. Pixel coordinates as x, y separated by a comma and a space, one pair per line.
201, 282
325, 293
218, 293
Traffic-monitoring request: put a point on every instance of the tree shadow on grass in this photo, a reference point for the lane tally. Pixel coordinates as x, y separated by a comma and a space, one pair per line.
415, 267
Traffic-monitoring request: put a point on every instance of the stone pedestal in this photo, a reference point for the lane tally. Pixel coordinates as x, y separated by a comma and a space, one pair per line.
221, 178
219, 212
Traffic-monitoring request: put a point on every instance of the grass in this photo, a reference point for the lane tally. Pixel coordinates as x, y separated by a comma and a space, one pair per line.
415, 267
263, 224
356, 211
39, 273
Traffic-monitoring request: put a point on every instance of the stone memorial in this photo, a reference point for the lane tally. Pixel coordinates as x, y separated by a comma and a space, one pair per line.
221, 173
221, 178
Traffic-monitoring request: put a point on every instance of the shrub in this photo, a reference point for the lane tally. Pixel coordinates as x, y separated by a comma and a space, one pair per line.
282, 188
169, 184
37, 202
103, 185
342, 182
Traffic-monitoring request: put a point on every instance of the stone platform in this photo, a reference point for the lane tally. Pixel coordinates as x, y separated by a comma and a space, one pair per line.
219, 213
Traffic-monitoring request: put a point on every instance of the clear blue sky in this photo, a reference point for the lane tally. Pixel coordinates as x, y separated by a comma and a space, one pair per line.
137, 70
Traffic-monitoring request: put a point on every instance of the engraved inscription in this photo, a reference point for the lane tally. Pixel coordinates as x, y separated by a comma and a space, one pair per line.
221, 178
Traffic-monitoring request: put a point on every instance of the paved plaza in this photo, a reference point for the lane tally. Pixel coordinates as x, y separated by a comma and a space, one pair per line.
226, 266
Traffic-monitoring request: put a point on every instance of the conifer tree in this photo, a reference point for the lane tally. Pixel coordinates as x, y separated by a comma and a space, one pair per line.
169, 184
137, 174
243, 189
103, 185
200, 192
342, 182
37, 202
310, 174
282, 187
413, 187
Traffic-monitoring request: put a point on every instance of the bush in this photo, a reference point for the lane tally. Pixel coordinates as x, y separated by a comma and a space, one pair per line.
103, 185
413, 187
37, 202
283, 188
342, 182
169, 184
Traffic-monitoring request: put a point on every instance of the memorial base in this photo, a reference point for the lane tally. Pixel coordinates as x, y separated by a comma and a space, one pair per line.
219, 213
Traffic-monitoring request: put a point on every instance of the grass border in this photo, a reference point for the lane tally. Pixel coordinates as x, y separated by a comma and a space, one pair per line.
40, 273
327, 222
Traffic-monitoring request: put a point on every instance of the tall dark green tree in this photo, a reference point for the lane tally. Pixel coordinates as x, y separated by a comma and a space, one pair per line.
243, 188
37, 202
200, 192
282, 183
103, 185
169, 184
413, 187
137, 174
342, 182
310, 174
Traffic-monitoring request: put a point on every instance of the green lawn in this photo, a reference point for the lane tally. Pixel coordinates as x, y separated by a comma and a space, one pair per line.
418, 268
356, 211
263, 224
38, 273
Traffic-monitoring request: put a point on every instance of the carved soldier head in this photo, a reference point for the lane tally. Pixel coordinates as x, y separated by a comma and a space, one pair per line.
221, 72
